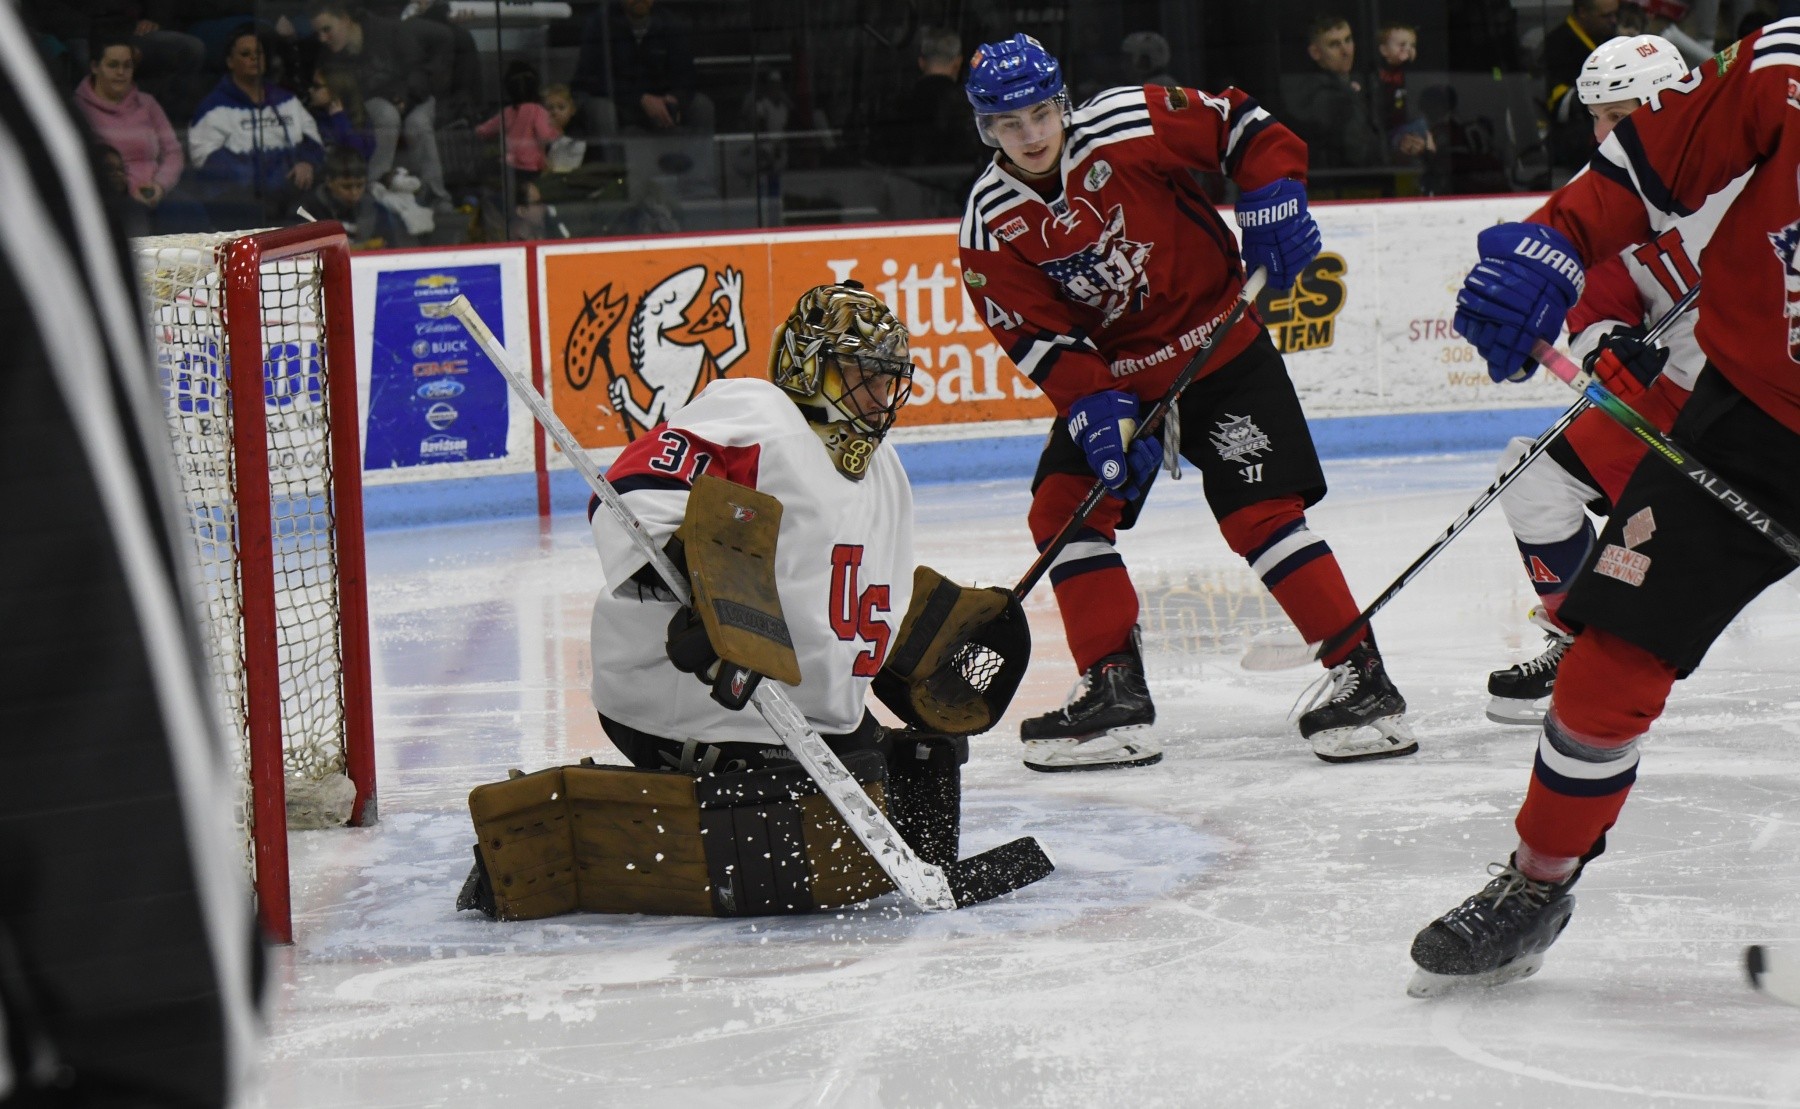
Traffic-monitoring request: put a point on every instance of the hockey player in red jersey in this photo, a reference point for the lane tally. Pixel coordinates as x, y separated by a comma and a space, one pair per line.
1100, 266
1547, 506
1674, 567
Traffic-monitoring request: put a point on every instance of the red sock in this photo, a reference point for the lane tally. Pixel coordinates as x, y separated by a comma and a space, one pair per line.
1297, 567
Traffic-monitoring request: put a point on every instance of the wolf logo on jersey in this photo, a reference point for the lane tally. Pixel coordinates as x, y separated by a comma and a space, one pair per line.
1108, 275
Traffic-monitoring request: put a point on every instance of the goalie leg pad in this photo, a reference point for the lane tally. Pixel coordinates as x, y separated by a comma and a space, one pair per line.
625, 840
525, 844
775, 845
925, 793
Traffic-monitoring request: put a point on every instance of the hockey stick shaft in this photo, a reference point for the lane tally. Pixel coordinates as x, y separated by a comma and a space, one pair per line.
1284, 658
1148, 426
923, 884
1666, 449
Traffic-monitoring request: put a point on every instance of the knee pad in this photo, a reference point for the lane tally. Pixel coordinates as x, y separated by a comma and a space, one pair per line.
1608, 690
925, 792
1254, 525
1057, 498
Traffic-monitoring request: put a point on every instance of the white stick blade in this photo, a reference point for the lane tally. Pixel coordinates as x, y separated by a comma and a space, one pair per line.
1281, 649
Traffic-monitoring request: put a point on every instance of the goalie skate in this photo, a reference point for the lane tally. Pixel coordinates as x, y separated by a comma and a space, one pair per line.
1102, 726
1357, 714
1520, 694
1497, 936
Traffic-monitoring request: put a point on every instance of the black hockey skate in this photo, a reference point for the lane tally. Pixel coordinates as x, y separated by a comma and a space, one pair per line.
1359, 715
1497, 936
1521, 694
1099, 728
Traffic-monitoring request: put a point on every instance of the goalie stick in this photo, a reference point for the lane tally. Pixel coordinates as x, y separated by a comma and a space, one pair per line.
965, 882
1283, 652
1774, 971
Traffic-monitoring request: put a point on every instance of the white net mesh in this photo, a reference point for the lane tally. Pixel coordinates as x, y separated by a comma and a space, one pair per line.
189, 323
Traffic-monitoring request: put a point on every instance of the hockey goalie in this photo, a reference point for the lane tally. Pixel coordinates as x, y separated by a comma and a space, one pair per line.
791, 518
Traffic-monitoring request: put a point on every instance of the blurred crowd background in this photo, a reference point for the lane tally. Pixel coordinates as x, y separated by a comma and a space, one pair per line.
452, 121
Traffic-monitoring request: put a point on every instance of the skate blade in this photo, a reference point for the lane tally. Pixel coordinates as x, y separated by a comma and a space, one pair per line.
1385, 738
1426, 983
1517, 710
1107, 751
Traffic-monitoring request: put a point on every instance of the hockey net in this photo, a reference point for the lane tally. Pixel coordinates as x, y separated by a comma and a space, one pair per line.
274, 507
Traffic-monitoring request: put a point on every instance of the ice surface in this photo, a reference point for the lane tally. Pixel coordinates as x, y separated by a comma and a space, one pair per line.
1228, 928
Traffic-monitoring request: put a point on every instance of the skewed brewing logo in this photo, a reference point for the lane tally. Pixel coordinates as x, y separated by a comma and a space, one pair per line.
670, 351
1305, 317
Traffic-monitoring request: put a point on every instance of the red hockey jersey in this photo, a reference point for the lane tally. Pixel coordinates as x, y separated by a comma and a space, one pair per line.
1728, 116
1114, 282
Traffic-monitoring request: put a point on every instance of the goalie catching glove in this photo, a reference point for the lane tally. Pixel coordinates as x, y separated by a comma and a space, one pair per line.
959, 658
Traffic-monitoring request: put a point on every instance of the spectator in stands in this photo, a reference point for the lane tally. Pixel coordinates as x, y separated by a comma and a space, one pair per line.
336, 106
1566, 46
115, 186
1146, 56
1464, 156
344, 196
134, 127
254, 147
565, 155
636, 64
1408, 134
1329, 107
929, 124
458, 90
524, 125
396, 86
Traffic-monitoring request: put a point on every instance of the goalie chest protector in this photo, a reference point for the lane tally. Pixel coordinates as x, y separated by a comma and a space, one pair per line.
844, 563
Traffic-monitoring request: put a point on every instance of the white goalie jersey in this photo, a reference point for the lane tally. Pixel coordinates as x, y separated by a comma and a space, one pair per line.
844, 564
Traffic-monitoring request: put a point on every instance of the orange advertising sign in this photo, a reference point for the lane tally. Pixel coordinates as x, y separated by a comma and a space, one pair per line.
634, 330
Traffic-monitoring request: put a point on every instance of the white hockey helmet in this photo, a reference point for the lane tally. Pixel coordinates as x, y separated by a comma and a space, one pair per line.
1629, 69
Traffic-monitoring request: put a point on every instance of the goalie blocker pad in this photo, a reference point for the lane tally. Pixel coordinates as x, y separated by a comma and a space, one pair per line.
959, 658
729, 536
624, 840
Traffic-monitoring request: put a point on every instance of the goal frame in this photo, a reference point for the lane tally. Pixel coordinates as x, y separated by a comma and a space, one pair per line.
240, 261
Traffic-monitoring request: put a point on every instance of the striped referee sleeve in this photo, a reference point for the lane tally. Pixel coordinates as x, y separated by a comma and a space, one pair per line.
129, 967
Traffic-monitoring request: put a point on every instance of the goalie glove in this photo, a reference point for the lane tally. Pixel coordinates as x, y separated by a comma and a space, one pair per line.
958, 659
692, 652
1626, 364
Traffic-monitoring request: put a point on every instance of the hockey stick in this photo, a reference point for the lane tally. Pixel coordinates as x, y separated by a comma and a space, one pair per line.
977, 878
1667, 449
1774, 971
1278, 655
1147, 426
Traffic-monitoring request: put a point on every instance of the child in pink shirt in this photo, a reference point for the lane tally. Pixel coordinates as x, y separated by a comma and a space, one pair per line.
528, 126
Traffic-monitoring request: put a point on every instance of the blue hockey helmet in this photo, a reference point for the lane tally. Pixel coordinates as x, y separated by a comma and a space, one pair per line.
1017, 73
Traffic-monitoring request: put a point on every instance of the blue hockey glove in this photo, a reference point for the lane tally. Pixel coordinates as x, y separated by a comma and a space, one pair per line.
1625, 364
1528, 278
1097, 424
1278, 231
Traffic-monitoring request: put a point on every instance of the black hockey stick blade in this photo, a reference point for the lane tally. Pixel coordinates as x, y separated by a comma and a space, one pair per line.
1003, 869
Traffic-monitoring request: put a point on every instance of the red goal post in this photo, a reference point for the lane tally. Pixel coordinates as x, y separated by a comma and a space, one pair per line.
274, 500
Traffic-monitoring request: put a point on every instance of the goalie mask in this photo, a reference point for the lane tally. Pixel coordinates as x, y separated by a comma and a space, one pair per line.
843, 358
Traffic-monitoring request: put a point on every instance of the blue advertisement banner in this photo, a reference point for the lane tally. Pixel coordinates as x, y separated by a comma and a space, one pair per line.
433, 394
